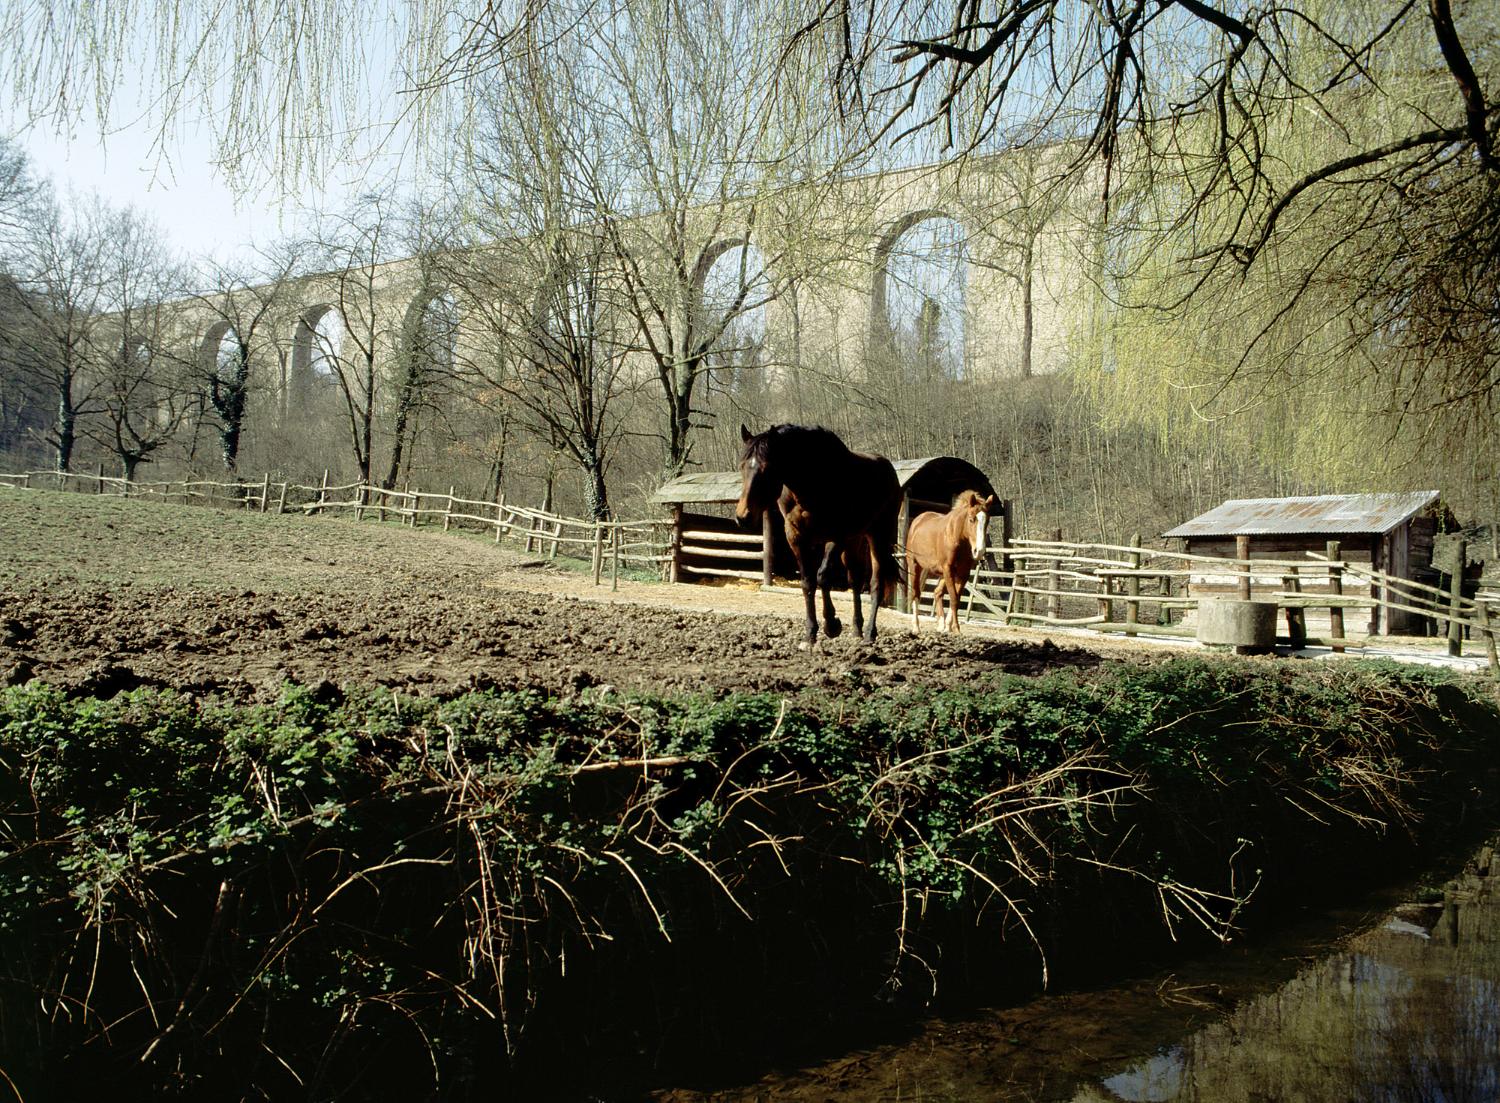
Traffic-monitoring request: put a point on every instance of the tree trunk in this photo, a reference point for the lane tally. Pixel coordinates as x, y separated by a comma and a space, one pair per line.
678, 442
403, 417
367, 423
67, 431
230, 406
1026, 312
596, 491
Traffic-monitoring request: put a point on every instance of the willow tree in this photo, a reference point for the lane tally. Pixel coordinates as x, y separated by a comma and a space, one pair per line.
679, 145
1289, 188
548, 295
709, 135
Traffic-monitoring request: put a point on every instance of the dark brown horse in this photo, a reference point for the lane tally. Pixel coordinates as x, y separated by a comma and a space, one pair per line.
947, 545
838, 505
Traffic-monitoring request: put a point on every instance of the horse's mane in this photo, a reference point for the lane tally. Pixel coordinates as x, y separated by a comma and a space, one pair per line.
803, 438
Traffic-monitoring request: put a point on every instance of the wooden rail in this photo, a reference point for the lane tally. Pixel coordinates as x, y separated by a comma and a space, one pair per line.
1118, 587
639, 544
1124, 588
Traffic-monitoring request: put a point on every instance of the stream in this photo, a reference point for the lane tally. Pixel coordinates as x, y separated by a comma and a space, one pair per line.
1394, 1001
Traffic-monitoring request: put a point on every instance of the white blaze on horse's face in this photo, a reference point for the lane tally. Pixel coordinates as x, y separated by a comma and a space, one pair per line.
749, 504
980, 521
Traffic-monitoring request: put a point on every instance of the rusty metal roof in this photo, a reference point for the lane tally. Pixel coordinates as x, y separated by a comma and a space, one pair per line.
724, 486
1375, 514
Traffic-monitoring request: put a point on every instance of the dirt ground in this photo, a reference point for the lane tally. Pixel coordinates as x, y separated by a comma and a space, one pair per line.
101, 594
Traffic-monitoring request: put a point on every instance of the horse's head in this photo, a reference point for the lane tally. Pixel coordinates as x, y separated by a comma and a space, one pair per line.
759, 482
977, 509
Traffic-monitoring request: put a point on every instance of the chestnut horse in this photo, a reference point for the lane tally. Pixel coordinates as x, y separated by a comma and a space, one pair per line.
836, 505
947, 545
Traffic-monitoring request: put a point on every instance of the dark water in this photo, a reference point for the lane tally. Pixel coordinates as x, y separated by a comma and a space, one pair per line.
1405, 1009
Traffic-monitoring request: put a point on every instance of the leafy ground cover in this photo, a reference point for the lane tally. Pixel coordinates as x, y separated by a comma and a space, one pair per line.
337, 893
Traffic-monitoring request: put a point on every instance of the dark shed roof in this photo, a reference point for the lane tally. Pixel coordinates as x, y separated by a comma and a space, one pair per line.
1373, 514
933, 478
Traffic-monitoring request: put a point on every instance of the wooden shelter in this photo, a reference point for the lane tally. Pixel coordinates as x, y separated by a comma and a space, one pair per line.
1391, 533
711, 545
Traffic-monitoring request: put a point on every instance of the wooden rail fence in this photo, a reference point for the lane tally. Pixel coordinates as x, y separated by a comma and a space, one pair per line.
1128, 589
607, 545
1115, 588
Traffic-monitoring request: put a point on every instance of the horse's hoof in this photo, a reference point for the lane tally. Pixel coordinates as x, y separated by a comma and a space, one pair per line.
810, 646
832, 628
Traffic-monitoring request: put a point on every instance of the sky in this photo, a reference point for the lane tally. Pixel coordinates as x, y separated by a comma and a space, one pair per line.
182, 191
172, 177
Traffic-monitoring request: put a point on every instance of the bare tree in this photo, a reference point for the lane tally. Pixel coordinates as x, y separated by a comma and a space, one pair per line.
429, 375
243, 299
550, 293
23, 200
677, 155
349, 247
61, 276
22, 197
146, 391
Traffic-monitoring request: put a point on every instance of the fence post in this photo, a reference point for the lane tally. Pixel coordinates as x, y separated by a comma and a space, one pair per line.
1012, 599
1133, 587
26, 479
598, 556
1336, 586
361, 496
414, 504
322, 492
265, 492
557, 528
1296, 616
614, 565
1054, 583
676, 545
448, 509
1456, 597
499, 515
1242, 553
99, 479
1489, 637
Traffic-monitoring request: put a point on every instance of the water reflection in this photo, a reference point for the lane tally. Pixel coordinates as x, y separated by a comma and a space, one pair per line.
1409, 1010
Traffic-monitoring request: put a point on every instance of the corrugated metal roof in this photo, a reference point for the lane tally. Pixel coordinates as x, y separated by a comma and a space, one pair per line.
724, 486
1374, 514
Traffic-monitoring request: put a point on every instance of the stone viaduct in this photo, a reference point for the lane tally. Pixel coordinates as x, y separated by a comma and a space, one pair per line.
997, 233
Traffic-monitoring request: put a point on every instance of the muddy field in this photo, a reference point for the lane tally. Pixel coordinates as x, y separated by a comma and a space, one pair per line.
101, 595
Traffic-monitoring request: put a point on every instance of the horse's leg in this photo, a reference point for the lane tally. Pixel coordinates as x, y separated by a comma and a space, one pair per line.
938, 597
956, 590
852, 555
808, 566
831, 625
877, 590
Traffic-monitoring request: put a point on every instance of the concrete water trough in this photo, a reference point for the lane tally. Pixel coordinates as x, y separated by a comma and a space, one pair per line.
1247, 626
